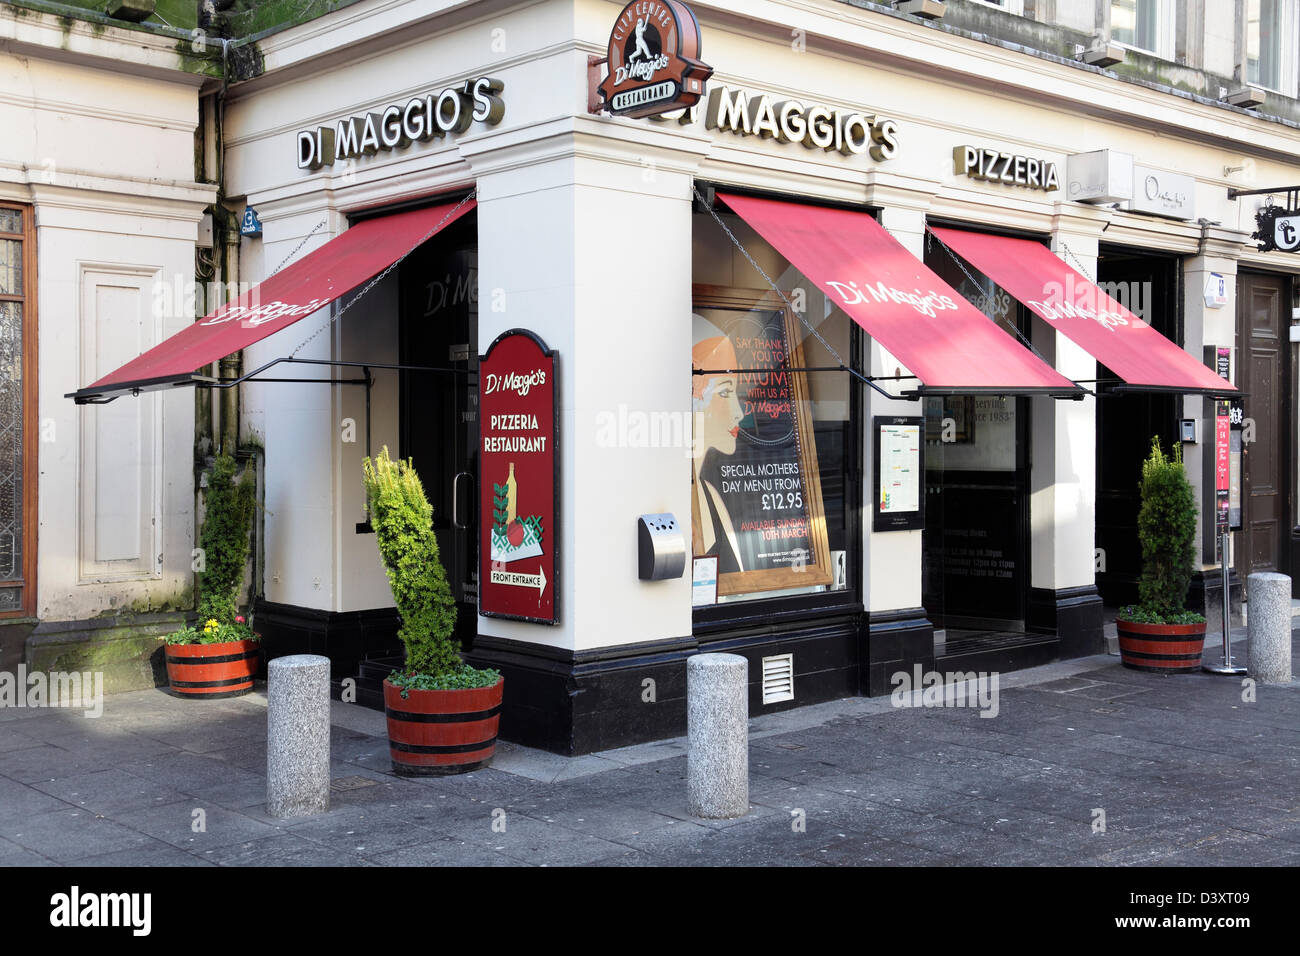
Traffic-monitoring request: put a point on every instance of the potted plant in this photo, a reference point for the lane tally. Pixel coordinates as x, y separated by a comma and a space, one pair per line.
442, 713
217, 656
1159, 634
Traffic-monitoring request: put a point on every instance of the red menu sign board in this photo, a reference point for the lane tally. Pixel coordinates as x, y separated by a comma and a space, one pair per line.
1222, 460
517, 479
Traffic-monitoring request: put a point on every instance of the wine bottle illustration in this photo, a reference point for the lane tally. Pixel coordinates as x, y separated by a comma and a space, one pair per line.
512, 495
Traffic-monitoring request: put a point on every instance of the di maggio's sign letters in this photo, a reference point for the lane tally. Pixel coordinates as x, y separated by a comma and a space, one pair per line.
420, 119
654, 63
517, 483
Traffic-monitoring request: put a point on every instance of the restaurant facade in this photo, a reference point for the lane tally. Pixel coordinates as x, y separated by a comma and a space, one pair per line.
847, 363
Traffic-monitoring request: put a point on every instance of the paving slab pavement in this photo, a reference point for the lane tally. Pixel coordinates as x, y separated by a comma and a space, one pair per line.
1086, 763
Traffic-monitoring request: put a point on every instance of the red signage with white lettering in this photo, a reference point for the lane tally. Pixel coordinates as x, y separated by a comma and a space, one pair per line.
654, 60
518, 489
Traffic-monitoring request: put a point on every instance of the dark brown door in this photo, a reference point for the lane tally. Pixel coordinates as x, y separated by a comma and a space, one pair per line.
1262, 372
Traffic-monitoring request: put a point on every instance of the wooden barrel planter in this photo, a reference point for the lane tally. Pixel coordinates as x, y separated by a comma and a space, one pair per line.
1161, 648
212, 671
439, 732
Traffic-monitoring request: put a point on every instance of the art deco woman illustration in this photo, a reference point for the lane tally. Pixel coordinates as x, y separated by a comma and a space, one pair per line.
715, 401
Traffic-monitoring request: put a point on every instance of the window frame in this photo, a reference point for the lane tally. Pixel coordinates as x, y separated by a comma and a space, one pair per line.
1287, 69
1014, 7
1166, 30
30, 421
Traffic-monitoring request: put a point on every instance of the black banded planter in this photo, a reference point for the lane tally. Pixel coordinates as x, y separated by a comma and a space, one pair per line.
212, 671
440, 732
1161, 648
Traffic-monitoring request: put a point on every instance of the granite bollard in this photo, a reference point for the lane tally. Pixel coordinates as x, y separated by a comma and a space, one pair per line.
1268, 627
298, 735
717, 729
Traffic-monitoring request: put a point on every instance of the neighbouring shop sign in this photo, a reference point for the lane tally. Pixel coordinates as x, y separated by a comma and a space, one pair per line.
518, 486
1277, 229
1162, 193
397, 126
757, 499
654, 60
1101, 176
990, 165
1222, 472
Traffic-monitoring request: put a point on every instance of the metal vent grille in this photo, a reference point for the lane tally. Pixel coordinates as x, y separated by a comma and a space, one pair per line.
778, 678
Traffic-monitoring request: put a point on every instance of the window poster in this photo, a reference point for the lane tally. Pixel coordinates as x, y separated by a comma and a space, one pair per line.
899, 471
757, 502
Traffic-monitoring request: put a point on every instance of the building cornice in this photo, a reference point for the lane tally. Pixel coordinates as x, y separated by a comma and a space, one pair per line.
907, 47
88, 41
76, 189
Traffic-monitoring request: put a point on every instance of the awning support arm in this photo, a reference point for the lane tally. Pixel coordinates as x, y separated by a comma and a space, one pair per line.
333, 363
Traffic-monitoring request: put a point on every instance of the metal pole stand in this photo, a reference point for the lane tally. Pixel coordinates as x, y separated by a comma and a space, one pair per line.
1227, 668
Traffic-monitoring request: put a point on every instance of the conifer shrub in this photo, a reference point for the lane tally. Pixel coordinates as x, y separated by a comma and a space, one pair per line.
1167, 535
402, 518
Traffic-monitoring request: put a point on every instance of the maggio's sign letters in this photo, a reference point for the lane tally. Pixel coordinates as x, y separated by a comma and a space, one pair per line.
812, 125
420, 119
517, 479
654, 63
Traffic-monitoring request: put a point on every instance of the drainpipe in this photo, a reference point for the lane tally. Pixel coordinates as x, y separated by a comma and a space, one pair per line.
231, 365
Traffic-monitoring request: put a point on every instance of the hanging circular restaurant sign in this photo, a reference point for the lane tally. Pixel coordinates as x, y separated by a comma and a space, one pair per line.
1277, 229
518, 487
654, 64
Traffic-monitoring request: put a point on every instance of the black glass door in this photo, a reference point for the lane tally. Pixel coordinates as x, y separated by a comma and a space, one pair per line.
439, 409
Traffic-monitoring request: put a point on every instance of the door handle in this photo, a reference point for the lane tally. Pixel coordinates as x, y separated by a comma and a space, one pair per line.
455, 501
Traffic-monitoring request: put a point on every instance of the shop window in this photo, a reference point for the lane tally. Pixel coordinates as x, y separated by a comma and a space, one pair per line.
773, 452
1272, 44
1146, 25
17, 410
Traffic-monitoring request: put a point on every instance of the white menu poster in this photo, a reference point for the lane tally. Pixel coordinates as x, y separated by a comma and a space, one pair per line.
900, 462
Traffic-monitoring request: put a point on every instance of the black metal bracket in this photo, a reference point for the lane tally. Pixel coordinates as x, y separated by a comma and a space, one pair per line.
368, 380
866, 379
1292, 194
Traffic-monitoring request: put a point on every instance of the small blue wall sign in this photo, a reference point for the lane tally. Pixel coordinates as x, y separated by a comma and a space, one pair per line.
251, 226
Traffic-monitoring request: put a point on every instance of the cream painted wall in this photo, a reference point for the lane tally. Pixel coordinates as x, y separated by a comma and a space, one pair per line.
299, 426
105, 158
367, 332
64, 120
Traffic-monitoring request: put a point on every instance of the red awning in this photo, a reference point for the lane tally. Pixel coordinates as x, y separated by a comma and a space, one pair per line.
306, 286
944, 340
1083, 313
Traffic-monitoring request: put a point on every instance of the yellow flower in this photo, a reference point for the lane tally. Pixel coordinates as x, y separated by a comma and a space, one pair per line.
211, 624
